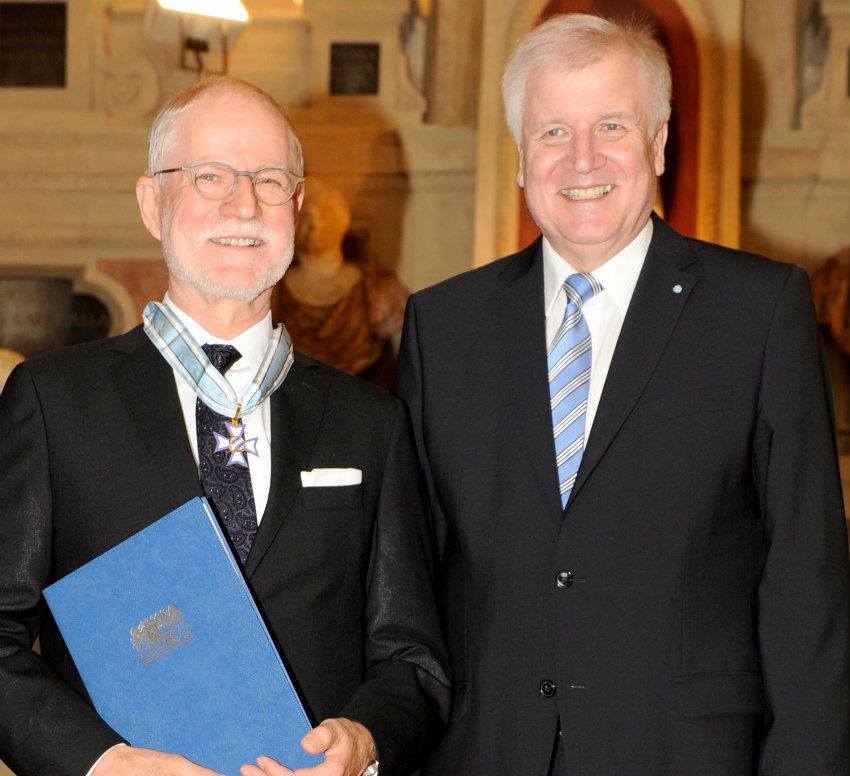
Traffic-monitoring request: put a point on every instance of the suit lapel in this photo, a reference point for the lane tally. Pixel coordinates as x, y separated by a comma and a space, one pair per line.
298, 407
660, 296
145, 383
519, 323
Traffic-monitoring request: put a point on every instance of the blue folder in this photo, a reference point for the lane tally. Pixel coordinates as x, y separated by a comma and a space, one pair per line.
173, 651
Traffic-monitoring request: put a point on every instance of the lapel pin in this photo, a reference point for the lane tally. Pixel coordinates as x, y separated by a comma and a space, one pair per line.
677, 289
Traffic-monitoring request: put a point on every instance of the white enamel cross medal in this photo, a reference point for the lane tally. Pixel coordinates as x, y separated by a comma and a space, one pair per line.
235, 443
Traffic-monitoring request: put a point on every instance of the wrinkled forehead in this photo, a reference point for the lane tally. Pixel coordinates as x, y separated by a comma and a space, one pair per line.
226, 123
616, 83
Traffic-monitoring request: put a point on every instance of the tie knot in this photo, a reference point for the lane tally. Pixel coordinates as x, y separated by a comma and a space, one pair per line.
222, 357
581, 287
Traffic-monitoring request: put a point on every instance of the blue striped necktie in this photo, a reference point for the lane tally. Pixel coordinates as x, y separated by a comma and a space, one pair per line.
569, 362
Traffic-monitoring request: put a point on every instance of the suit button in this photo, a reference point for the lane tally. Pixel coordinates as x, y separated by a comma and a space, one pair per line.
564, 578
547, 688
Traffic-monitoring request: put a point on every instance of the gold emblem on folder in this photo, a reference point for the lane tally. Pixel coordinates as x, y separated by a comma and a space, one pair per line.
160, 634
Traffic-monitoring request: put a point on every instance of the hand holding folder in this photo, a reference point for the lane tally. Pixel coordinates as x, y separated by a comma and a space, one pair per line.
174, 652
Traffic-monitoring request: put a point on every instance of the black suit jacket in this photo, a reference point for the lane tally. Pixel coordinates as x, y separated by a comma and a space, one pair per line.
703, 628
93, 448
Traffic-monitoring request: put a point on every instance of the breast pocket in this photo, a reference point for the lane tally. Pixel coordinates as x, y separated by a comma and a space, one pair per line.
333, 497
712, 398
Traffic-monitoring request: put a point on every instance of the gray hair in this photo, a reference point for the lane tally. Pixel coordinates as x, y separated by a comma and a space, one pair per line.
164, 126
578, 40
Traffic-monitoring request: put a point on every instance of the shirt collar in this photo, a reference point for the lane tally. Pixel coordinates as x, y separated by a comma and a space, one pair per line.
618, 275
251, 343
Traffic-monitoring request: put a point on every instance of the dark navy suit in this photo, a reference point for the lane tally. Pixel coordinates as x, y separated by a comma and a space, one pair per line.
687, 613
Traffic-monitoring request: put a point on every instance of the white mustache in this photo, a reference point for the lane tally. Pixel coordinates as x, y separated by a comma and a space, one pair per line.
250, 230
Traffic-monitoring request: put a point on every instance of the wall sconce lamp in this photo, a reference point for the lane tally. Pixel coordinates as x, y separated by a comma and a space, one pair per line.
197, 26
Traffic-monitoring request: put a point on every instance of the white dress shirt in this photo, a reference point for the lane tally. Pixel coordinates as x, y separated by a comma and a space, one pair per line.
252, 344
604, 313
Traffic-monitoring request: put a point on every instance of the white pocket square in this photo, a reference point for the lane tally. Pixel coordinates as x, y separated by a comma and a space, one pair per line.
331, 478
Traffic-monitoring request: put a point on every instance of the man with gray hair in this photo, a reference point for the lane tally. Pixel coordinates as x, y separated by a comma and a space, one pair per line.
627, 441
323, 508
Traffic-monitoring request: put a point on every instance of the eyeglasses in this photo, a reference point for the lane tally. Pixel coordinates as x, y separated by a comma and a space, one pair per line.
217, 181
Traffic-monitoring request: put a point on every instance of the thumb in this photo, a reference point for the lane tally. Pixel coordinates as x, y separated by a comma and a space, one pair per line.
319, 739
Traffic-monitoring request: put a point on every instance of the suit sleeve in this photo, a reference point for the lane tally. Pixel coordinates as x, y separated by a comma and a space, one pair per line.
803, 595
404, 700
409, 387
47, 727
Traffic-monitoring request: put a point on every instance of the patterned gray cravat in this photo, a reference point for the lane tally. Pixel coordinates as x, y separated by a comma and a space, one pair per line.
227, 487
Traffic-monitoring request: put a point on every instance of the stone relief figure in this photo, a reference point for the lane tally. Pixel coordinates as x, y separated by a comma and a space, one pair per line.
813, 47
338, 311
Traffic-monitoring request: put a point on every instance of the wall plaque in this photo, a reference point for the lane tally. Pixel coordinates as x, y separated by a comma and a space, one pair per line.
354, 68
33, 44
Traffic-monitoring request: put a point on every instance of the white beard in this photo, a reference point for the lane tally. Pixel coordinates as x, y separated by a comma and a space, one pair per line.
199, 280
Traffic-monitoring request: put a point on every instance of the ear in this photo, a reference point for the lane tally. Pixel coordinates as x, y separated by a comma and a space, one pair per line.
520, 175
149, 195
298, 200
658, 144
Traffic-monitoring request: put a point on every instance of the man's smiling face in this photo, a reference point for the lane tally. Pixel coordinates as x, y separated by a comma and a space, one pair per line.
588, 162
236, 247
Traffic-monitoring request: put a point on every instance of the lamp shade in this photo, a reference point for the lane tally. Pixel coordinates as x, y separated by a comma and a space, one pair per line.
232, 10
217, 22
